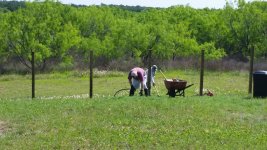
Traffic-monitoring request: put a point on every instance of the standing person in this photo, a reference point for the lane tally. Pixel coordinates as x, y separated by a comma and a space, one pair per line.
153, 73
137, 77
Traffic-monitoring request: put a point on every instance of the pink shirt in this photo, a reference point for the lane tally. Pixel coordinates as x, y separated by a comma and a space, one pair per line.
140, 73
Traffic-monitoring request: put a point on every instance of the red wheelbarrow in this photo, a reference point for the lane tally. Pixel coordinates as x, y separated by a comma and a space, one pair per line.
176, 87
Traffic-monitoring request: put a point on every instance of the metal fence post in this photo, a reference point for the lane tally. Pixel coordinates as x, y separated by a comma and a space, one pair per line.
149, 71
33, 76
201, 73
251, 69
91, 75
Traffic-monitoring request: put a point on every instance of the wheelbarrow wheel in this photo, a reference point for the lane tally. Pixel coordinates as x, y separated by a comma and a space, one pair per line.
122, 92
172, 93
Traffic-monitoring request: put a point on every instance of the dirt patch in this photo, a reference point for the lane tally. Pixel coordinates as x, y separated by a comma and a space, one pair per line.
3, 127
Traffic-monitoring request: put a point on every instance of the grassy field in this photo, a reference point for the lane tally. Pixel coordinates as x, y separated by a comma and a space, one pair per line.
62, 116
107, 83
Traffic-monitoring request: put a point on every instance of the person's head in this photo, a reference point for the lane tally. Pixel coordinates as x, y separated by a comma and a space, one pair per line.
134, 74
154, 67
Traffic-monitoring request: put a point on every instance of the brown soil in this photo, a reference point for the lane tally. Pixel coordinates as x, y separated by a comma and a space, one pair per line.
3, 127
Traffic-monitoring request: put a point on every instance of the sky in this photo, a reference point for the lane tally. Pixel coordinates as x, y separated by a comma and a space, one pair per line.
154, 3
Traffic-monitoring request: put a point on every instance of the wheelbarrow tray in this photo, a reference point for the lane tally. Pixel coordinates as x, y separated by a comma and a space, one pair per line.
176, 87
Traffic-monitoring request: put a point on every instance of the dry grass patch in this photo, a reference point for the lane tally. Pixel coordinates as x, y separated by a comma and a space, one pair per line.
3, 127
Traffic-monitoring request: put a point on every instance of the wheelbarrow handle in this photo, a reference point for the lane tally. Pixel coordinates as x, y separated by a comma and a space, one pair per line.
163, 74
188, 86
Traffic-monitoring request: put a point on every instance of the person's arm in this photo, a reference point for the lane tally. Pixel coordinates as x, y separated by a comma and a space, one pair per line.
130, 79
141, 79
153, 72
142, 86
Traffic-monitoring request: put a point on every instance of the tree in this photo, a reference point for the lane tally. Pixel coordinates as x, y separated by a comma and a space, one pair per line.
247, 26
40, 28
11, 5
95, 31
3, 39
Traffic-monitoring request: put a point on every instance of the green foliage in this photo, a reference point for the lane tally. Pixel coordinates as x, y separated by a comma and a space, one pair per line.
247, 26
54, 31
40, 28
211, 52
11, 5
3, 26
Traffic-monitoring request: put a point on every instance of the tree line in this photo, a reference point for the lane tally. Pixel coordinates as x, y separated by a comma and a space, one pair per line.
56, 32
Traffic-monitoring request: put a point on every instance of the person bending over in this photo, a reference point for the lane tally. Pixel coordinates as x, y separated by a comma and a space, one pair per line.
137, 77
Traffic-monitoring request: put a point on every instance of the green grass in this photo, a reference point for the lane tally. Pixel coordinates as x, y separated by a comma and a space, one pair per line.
229, 120
62, 84
224, 122
105, 84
